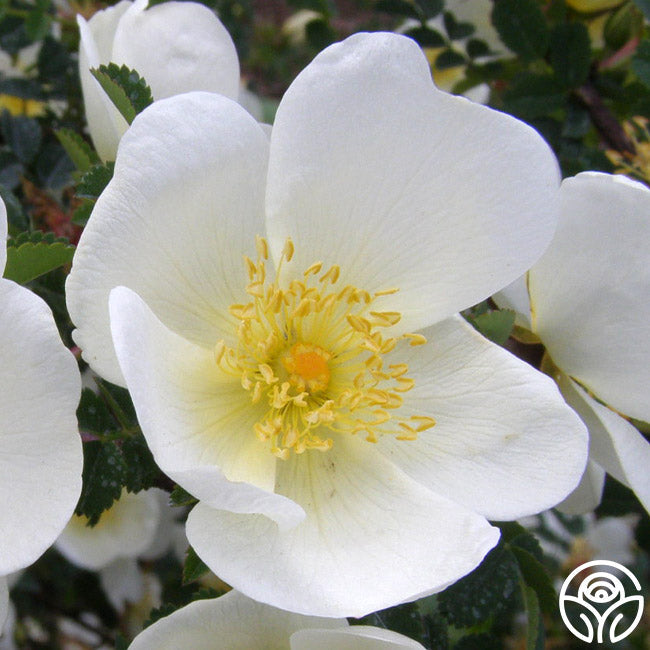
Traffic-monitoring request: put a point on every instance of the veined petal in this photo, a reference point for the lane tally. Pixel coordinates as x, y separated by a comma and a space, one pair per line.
505, 444
198, 422
4, 601
354, 637
193, 50
589, 492
40, 447
402, 185
589, 292
182, 209
365, 518
615, 444
235, 620
105, 123
124, 530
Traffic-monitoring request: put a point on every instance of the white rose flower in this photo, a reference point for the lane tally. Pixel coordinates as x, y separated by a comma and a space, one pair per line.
125, 530
347, 435
175, 46
587, 300
239, 622
40, 446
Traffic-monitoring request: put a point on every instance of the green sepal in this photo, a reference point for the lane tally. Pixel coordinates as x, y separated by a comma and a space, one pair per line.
495, 325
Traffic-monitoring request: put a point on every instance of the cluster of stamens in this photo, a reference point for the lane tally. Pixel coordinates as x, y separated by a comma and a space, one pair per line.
312, 354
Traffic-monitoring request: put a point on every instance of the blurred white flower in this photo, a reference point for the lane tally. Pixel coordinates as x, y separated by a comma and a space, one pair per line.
125, 530
40, 446
587, 300
239, 622
343, 462
175, 46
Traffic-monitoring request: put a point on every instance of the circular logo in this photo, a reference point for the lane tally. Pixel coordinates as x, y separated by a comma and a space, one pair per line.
595, 607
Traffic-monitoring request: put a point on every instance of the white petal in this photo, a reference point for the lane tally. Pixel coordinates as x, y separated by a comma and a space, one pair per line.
372, 537
198, 421
505, 444
615, 444
124, 530
376, 170
589, 492
183, 207
40, 447
515, 297
234, 620
355, 637
589, 292
122, 582
193, 50
105, 123
4, 602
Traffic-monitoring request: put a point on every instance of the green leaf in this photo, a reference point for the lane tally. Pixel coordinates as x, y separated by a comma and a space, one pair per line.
180, 497
641, 62
121, 643
535, 634
93, 415
405, 619
22, 134
81, 153
103, 477
399, 8
141, 468
37, 24
570, 53
82, 213
95, 180
194, 567
622, 25
495, 325
430, 8
16, 217
426, 37
536, 576
532, 96
476, 48
482, 593
456, 30
159, 612
127, 90
28, 260
449, 59
521, 26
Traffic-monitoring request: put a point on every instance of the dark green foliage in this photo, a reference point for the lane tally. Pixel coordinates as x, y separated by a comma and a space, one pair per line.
522, 27
180, 497
94, 181
495, 325
194, 567
22, 135
81, 153
126, 89
570, 54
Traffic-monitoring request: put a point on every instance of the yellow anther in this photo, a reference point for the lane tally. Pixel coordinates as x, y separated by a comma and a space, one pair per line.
386, 292
404, 384
415, 339
288, 250
386, 318
267, 373
257, 392
250, 267
313, 269
332, 275
219, 351
262, 248
243, 312
256, 289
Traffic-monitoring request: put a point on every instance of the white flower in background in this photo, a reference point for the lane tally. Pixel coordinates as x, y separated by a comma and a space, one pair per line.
175, 46
239, 622
587, 300
125, 530
608, 538
477, 13
347, 435
40, 446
